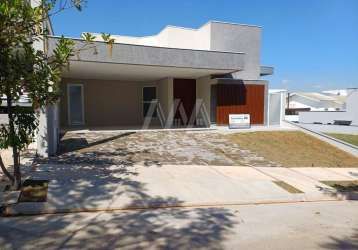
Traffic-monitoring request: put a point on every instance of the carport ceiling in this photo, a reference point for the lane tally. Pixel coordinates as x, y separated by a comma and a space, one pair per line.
113, 71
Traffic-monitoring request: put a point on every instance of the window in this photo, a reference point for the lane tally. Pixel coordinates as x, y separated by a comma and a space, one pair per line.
75, 104
149, 95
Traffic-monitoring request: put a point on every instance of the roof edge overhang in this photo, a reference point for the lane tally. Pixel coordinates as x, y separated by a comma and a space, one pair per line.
239, 81
155, 56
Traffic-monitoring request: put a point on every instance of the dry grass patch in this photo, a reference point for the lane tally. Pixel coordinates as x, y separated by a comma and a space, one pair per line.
294, 149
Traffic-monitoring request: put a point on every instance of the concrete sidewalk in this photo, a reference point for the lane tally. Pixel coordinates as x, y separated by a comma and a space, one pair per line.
76, 188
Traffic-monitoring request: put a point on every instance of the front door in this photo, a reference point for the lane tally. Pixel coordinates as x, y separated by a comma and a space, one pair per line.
185, 92
75, 104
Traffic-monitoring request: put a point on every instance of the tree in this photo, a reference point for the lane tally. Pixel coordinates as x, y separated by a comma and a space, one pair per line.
26, 69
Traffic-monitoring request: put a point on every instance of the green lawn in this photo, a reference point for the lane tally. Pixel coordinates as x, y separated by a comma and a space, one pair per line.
352, 139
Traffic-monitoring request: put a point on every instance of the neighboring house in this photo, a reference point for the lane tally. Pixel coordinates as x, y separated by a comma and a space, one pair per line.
336, 92
312, 101
23, 101
350, 112
208, 73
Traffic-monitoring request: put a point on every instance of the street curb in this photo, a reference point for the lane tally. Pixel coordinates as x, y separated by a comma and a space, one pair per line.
9, 211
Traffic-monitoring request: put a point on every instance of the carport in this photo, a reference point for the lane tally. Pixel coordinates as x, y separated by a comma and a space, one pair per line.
115, 90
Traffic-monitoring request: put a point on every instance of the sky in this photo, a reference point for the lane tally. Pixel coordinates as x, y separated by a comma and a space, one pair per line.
312, 44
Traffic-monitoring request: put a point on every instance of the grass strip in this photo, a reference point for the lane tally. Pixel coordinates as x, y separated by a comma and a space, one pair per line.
288, 187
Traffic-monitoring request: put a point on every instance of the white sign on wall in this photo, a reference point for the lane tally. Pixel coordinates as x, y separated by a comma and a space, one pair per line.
239, 121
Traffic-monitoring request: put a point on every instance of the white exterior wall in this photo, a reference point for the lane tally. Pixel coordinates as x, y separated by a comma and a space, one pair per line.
42, 135
48, 128
188, 38
171, 37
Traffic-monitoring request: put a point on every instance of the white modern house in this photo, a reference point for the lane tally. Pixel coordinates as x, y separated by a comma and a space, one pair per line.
314, 101
196, 76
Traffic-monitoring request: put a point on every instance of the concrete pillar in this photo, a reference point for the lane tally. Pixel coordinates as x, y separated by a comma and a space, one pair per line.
48, 131
42, 134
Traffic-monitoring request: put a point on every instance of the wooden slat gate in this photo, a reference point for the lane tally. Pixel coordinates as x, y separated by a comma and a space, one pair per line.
240, 99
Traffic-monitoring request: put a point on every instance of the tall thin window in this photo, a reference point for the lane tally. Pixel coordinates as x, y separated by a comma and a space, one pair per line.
75, 104
149, 95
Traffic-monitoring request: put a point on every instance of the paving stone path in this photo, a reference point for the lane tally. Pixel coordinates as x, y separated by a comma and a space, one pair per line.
155, 148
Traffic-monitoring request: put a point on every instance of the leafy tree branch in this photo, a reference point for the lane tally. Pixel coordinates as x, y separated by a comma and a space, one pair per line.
25, 69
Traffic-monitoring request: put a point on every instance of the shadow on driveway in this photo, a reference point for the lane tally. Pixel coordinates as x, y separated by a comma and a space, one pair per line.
200, 228
72, 144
